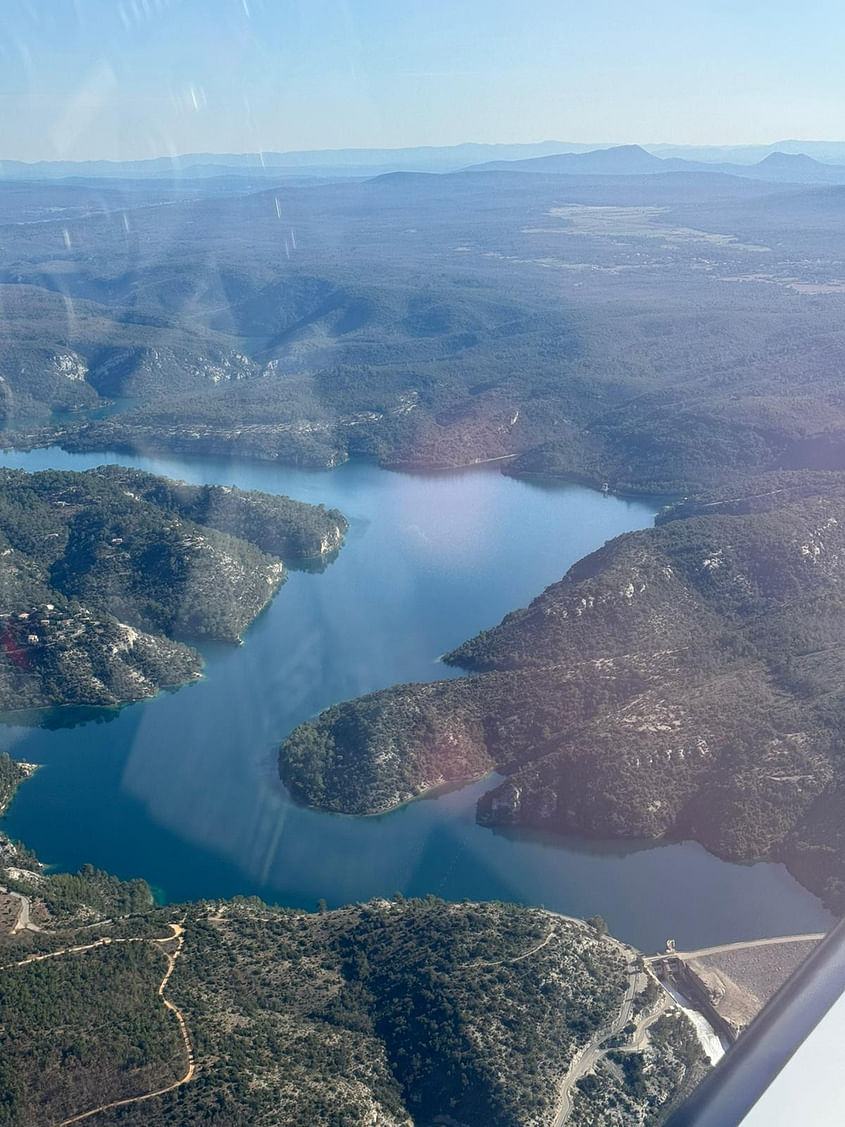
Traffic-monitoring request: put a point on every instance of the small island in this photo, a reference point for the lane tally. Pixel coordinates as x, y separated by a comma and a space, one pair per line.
109, 577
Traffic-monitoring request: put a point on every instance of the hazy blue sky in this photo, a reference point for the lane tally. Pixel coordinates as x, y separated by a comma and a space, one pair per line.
136, 78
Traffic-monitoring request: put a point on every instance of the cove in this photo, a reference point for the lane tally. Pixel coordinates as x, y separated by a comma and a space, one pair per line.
183, 789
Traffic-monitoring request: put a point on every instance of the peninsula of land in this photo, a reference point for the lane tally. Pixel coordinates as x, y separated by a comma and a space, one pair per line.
109, 577
681, 682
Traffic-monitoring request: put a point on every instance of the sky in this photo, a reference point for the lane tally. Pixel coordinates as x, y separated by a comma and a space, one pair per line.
128, 79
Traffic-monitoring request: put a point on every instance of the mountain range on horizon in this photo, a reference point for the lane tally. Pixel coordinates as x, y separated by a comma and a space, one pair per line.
805, 162
635, 160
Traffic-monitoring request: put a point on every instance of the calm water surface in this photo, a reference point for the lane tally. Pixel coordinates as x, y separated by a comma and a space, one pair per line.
183, 789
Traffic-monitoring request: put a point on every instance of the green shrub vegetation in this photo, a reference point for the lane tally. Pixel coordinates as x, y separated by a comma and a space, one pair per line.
91, 891
391, 1012
80, 1030
12, 774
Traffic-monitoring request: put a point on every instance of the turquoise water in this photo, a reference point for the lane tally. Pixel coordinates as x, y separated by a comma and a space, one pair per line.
183, 790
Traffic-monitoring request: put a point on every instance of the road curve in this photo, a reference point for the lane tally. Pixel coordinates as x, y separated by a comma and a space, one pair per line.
190, 1071
23, 922
588, 1057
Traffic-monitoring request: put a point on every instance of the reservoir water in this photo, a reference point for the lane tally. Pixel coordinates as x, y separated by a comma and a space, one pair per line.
183, 789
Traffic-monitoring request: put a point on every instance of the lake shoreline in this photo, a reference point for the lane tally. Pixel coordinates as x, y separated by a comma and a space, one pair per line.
185, 791
391, 465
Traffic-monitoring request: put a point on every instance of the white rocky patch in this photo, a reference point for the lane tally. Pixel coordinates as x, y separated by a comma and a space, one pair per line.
711, 563
71, 367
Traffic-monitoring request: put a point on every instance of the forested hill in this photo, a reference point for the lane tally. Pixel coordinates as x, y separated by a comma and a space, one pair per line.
387, 1013
660, 333
279, 525
106, 574
685, 681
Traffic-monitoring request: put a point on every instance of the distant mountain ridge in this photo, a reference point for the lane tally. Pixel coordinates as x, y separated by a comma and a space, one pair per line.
339, 162
634, 160
817, 158
621, 160
828, 152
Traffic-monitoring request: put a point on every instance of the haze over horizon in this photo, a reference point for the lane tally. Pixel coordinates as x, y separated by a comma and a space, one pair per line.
139, 79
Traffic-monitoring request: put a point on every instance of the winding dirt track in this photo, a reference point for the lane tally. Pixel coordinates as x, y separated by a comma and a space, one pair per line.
515, 958
190, 1072
179, 935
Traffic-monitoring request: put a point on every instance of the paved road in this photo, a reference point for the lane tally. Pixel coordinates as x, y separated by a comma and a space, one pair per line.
587, 1059
23, 922
739, 946
647, 1020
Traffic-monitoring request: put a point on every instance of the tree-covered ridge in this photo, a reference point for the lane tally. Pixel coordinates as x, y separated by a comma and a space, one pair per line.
106, 574
94, 540
387, 1013
278, 525
50, 360
60, 652
426, 1007
685, 681
438, 321
371, 754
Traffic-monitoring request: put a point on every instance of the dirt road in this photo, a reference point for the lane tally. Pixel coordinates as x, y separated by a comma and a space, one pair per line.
178, 931
191, 1068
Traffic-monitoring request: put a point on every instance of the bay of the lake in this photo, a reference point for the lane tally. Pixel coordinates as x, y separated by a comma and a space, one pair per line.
183, 790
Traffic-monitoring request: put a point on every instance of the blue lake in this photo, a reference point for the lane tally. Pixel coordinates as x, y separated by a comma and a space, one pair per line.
183, 789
